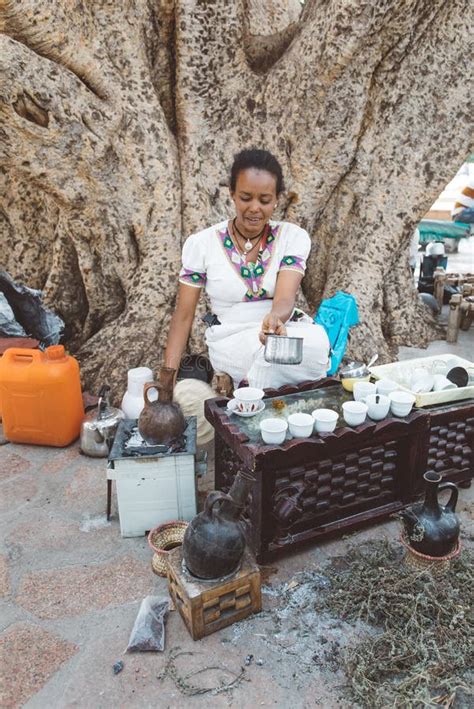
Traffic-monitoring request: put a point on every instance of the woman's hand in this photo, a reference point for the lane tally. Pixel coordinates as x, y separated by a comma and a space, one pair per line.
271, 325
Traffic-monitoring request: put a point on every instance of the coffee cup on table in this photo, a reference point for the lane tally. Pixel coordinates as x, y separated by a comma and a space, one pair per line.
325, 420
363, 389
442, 383
378, 406
248, 399
273, 430
401, 403
385, 386
301, 425
354, 412
422, 382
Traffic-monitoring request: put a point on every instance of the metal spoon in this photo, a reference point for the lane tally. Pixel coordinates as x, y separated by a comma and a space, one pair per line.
372, 360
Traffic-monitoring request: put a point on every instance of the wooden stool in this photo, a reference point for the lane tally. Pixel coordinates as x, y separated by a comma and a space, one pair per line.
207, 606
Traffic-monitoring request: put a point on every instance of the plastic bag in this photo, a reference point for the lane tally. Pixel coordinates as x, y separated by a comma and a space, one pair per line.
148, 633
9, 327
337, 315
36, 320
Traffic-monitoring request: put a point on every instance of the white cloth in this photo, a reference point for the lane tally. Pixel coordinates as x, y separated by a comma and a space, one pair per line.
210, 260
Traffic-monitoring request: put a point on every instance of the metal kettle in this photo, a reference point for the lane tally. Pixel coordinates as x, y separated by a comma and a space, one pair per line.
99, 426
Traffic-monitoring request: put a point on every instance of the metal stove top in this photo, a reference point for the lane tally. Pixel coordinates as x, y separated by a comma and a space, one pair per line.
129, 444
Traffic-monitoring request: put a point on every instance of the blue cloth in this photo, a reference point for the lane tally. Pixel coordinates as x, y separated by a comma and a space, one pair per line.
337, 315
466, 215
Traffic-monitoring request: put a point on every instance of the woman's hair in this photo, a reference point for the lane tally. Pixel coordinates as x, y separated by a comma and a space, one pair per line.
260, 160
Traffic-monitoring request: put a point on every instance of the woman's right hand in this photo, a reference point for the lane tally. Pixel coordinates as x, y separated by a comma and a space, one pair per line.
271, 325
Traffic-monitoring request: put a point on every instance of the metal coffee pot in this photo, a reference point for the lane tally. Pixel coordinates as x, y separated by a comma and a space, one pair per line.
99, 426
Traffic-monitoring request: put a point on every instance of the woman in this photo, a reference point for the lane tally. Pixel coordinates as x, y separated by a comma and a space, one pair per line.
251, 268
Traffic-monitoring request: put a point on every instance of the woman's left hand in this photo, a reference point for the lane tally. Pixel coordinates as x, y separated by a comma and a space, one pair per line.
271, 325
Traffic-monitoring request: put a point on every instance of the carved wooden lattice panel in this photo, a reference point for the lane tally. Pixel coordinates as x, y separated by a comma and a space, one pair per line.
451, 447
364, 476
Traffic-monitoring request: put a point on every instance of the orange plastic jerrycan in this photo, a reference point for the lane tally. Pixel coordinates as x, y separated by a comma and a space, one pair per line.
41, 396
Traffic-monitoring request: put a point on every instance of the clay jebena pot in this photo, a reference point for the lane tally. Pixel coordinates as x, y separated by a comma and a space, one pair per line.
431, 528
162, 421
214, 542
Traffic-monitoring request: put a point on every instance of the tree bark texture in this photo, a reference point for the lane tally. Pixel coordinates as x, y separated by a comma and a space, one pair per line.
120, 121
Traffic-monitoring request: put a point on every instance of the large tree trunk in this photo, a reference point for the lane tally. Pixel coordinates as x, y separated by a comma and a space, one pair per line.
119, 125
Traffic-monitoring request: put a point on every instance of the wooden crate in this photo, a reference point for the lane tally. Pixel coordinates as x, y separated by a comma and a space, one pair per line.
207, 606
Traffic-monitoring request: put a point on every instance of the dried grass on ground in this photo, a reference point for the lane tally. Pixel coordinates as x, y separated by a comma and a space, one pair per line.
425, 653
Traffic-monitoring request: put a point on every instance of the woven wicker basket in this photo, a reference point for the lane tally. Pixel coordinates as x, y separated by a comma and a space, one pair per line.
162, 539
436, 565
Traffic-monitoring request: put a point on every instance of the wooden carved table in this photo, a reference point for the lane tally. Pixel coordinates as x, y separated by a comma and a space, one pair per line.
308, 489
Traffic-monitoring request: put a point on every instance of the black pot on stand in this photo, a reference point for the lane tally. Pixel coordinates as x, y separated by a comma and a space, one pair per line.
430, 528
214, 542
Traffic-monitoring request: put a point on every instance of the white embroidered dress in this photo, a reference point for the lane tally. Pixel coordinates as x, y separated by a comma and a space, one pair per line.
241, 295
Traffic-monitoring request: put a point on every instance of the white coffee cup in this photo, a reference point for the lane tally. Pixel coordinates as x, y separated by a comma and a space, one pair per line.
439, 366
325, 420
442, 383
273, 430
401, 403
248, 399
363, 389
301, 425
385, 386
354, 412
378, 406
423, 382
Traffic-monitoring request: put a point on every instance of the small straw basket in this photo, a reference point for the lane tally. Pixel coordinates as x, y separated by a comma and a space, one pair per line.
162, 539
435, 565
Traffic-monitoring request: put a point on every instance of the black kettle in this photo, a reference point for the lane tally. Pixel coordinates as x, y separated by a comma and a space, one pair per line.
214, 541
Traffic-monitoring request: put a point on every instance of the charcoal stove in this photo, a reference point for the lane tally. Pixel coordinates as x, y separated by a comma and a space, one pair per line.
155, 484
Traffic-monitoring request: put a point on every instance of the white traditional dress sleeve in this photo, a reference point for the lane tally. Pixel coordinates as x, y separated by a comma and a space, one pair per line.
193, 270
297, 248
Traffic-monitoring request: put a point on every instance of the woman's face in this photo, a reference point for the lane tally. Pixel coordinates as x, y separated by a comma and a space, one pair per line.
254, 198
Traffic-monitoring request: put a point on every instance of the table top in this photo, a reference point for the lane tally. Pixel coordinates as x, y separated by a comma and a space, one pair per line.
243, 434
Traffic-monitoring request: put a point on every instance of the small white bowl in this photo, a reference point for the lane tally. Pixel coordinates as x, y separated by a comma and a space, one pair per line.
378, 406
386, 386
301, 425
248, 399
422, 382
273, 430
362, 389
442, 383
354, 412
401, 403
325, 420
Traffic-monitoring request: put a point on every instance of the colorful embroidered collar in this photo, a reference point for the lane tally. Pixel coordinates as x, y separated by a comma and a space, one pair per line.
251, 274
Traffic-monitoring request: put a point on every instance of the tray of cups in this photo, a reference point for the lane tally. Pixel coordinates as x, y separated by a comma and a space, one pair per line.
430, 380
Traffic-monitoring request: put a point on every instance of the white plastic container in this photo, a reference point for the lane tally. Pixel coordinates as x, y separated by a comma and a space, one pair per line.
133, 401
